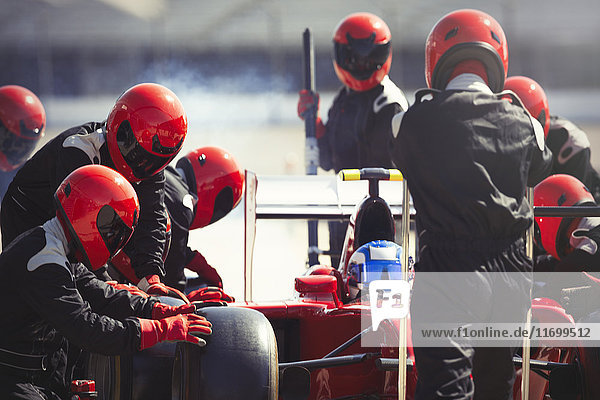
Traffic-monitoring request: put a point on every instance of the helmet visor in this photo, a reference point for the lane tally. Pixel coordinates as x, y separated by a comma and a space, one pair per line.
142, 163
16, 148
114, 232
361, 57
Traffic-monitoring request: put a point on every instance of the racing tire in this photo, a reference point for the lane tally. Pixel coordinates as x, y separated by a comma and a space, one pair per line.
239, 360
140, 376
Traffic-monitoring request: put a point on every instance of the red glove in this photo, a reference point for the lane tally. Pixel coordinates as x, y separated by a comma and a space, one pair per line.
134, 290
307, 102
160, 310
207, 273
152, 285
210, 294
178, 328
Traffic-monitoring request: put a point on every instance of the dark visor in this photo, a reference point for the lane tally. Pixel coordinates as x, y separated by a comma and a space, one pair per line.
17, 148
114, 232
361, 57
164, 150
142, 163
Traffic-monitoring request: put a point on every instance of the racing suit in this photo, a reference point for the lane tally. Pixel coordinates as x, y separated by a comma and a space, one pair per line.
570, 147
180, 206
5, 179
178, 200
468, 156
51, 304
29, 200
357, 133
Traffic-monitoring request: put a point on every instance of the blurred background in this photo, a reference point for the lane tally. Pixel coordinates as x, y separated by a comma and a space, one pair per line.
239, 62
237, 67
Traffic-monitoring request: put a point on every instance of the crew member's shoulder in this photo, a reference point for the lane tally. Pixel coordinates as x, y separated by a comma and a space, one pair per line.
87, 138
48, 251
34, 248
560, 123
513, 100
423, 97
390, 94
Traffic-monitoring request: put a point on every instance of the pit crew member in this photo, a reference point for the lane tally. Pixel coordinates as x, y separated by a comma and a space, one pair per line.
570, 146
468, 157
56, 302
144, 131
571, 242
357, 130
206, 184
22, 125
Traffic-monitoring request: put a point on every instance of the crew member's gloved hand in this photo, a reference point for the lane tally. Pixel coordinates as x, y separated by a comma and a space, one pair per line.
308, 102
210, 294
178, 328
130, 288
208, 274
152, 285
160, 310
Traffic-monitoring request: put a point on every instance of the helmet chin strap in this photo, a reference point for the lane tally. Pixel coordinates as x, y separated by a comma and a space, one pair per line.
470, 67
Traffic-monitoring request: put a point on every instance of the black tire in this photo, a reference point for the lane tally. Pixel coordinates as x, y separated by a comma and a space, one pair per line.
238, 362
141, 376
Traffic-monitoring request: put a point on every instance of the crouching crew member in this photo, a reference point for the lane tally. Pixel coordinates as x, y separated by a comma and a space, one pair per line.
143, 133
206, 184
571, 242
54, 300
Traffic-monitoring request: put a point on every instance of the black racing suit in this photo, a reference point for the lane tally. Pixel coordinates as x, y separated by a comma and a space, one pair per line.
5, 180
357, 134
468, 156
570, 147
181, 212
179, 201
51, 304
182, 216
29, 200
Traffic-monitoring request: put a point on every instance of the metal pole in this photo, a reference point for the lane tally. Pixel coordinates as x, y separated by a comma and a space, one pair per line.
249, 230
403, 322
311, 156
526, 367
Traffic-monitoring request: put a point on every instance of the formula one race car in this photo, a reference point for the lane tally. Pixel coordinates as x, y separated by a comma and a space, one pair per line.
321, 344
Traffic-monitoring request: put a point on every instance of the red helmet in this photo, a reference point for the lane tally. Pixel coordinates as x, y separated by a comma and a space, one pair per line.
533, 97
22, 123
559, 190
466, 35
122, 262
145, 130
98, 210
362, 50
218, 181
